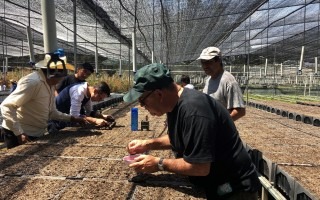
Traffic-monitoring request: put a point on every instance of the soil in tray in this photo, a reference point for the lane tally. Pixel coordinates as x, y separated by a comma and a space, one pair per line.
308, 177
151, 192
97, 190
23, 188
284, 141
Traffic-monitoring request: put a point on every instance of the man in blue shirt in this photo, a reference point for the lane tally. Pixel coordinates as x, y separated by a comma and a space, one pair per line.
77, 99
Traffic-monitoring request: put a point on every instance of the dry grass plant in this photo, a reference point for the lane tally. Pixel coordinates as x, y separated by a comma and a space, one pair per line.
118, 84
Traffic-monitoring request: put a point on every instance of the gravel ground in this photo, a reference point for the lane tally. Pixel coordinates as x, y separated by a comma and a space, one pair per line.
87, 163
294, 146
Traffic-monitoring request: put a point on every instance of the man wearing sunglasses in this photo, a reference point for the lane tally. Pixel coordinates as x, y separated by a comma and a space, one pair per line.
201, 133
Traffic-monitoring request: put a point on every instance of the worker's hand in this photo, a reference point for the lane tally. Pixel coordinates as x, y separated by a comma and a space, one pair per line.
108, 118
81, 120
137, 146
101, 122
145, 164
23, 138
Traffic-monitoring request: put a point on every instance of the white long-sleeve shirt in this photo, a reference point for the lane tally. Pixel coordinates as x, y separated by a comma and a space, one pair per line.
77, 93
28, 109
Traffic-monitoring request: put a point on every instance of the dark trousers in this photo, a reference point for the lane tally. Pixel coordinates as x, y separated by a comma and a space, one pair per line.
1, 137
10, 139
54, 126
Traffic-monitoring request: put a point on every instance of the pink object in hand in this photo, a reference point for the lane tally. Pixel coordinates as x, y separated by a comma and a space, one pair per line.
130, 158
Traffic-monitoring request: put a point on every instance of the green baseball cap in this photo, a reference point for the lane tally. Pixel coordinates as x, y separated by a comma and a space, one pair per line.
149, 77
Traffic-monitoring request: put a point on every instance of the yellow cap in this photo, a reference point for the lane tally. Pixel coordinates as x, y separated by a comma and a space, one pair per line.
43, 63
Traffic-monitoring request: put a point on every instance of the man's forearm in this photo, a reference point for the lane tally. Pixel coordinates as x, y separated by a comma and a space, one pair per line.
91, 120
179, 166
159, 143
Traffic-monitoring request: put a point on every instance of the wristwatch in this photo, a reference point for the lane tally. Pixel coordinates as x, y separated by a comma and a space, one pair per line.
160, 164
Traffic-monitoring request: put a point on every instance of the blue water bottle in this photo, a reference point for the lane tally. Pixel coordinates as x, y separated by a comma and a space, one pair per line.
134, 119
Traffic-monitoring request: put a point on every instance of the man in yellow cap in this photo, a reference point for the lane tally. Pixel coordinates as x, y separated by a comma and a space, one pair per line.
28, 108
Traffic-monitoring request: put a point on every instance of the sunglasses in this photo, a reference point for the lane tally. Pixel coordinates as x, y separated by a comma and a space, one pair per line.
142, 100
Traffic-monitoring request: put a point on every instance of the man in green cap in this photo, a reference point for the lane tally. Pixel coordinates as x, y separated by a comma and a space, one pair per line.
201, 132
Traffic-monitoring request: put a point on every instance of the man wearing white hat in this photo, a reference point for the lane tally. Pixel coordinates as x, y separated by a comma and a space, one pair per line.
221, 85
28, 108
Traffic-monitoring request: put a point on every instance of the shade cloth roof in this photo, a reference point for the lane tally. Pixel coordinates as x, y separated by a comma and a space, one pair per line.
175, 30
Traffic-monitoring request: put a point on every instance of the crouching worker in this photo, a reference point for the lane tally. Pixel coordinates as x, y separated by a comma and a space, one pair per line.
201, 133
28, 108
77, 100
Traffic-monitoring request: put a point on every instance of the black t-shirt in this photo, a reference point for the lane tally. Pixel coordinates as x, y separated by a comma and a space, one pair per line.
68, 80
201, 131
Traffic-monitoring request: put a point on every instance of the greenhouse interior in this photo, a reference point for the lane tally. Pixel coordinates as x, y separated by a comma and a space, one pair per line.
270, 47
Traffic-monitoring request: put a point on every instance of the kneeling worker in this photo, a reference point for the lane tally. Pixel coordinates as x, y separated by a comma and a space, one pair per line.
28, 108
77, 100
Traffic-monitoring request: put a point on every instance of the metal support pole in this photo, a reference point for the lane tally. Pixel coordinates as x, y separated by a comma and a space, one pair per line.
96, 55
5, 69
301, 60
134, 52
152, 57
315, 65
120, 67
75, 33
272, 190
49, 26
30, 44
265, 68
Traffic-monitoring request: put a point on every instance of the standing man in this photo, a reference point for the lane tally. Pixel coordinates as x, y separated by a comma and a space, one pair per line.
221, 85
202, 134
13, 85
83, 72
28, 108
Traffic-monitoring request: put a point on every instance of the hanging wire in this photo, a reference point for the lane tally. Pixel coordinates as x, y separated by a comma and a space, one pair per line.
153, 30
96, 53
4, 38
135, 16
120, 63
138, 25
248, 62
166, 31
75, 34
